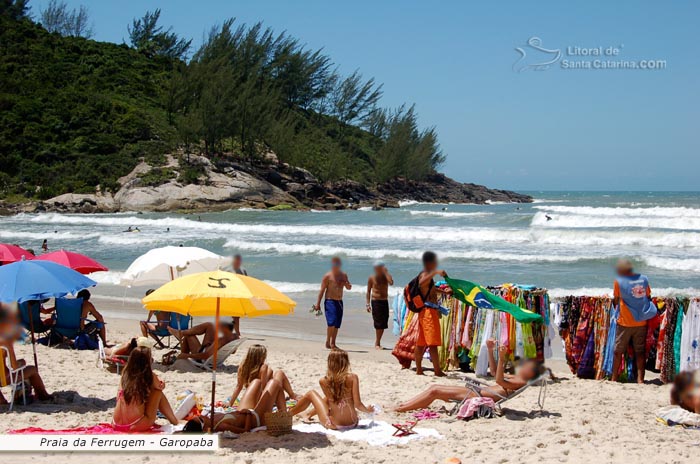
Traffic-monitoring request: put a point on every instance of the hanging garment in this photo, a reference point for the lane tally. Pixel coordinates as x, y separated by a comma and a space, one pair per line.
634, 293
405, 347
690, 338
677, 339
482, 361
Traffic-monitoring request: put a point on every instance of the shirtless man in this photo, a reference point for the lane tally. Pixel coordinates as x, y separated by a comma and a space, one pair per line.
378, 300
192, 348
429, 333
332, 286
90, 310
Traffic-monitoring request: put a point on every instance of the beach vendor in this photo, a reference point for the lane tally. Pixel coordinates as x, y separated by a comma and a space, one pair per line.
632, 295
332, 286
429, 333
378, 300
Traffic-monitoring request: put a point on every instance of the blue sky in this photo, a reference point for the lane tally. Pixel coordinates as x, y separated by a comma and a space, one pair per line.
550, 129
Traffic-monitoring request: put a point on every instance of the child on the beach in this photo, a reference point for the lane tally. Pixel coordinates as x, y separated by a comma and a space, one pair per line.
141, 395
338, 409
254, 367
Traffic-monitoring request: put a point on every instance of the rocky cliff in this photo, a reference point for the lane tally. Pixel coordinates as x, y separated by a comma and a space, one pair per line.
225, 185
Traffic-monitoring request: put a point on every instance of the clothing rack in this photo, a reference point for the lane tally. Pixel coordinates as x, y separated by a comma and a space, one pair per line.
465, 329
587, 326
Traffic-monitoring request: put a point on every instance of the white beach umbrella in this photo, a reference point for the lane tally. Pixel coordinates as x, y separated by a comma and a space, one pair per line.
164, 264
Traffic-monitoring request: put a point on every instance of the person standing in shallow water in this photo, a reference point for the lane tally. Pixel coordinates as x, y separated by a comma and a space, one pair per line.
332, 286
378, 300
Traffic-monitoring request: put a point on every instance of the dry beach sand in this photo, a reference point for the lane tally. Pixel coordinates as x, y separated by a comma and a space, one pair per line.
584, 420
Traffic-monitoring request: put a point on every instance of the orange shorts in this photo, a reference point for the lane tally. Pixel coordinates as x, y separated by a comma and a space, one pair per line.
429, 333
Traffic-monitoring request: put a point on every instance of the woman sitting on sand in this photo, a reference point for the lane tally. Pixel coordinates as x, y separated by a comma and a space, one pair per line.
141, 395
686, 392
338, 410
254, 367
505, 384
256, 402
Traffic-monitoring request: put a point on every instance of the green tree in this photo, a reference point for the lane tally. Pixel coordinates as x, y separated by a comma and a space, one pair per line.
15, 9
57, 17
150, 38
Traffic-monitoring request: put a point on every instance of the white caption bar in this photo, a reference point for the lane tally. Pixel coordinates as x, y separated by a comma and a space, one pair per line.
111, 443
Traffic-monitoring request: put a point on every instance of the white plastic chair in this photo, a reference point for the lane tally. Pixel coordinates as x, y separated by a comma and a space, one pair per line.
224, 352
12, 377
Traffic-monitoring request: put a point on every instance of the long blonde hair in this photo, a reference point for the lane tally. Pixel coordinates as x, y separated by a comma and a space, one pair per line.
338, 370
254, 361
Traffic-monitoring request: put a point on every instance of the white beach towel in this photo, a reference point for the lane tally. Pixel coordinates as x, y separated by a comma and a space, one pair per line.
375, 433
675, 415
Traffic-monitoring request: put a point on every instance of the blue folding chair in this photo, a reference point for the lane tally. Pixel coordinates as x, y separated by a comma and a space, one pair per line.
35, 324
69, 314
177, 322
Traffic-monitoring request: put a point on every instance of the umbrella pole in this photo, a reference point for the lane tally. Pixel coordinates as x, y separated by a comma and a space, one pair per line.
213, 369
31, 327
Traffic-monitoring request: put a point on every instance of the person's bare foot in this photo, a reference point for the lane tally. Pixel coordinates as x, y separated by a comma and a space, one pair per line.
419, 372
440, 374
377, 347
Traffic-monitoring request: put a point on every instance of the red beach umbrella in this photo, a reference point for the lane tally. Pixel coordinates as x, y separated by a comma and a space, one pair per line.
76, 261
11, 253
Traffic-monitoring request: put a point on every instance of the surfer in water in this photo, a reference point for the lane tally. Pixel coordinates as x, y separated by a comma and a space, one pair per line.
549, 218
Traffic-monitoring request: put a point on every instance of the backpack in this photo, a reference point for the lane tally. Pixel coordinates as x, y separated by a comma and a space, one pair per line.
415, 301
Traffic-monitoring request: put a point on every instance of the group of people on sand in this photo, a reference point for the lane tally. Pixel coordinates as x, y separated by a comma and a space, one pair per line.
258, 390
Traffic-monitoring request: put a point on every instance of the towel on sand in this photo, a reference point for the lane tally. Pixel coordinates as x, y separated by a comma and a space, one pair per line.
675, 415
375, 433
98, 429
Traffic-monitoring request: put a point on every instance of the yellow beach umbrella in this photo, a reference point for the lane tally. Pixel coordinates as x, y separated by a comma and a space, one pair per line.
222, 293
219, 293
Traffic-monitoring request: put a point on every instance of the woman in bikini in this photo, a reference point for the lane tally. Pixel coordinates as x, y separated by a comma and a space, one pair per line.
505, 384
256, 402
141, 395
254, 367
338, 410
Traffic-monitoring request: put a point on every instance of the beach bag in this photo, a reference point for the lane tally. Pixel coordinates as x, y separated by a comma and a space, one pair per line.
475, 408
415, 300
85, 342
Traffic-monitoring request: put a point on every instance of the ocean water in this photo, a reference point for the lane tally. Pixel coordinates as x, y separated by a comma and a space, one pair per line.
571, 253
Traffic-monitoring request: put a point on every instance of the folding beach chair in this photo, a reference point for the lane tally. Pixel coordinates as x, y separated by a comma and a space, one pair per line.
177, 322
11, 376
224, 352
541, 381
104, 361
69, 313
36, 323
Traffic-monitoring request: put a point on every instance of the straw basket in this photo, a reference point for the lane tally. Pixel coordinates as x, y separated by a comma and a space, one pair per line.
278, 423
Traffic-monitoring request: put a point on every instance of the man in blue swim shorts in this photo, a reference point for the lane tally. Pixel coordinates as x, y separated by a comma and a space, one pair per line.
332, 286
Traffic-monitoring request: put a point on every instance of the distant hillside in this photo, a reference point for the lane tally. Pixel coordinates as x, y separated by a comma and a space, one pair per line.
76, 113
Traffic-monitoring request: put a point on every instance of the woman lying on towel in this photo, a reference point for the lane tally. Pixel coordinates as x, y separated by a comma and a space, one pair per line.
141, 395
686, 391
505, 384
338, 410
254, 367
256, 402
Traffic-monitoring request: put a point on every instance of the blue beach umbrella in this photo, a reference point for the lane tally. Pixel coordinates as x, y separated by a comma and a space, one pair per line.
38, 280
